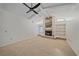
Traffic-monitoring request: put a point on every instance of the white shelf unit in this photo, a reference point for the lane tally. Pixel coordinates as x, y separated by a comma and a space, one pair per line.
60, 29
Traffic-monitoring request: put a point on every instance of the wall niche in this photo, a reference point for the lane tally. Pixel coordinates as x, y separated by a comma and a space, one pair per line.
48, 26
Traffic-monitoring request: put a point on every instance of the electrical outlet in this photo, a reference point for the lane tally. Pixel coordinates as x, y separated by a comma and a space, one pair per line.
5, 31
32, 21
11, 38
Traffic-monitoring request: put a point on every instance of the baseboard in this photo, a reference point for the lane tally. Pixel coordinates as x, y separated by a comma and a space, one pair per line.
15, 41
60, 38
72, 47
10, 42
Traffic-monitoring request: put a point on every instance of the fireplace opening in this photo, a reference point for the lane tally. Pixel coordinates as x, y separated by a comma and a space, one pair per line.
48, 33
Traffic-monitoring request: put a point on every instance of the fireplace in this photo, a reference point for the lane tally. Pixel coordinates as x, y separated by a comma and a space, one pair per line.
48, 33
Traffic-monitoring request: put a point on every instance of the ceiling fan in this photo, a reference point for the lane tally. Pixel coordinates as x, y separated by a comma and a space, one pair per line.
32, 8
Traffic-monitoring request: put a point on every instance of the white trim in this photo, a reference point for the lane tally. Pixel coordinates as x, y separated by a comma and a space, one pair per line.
12, 42
72, 47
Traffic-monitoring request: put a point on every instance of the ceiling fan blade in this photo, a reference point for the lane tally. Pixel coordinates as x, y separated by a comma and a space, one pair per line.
36, 6
34, 11
28, 11
26, 5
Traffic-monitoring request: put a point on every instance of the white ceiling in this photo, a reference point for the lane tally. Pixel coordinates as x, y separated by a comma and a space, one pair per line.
20, 10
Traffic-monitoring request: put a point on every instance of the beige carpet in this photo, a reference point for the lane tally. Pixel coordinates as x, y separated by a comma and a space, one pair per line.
38, 47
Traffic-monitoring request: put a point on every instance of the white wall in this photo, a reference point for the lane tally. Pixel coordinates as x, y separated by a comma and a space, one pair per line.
73, 34
14, 28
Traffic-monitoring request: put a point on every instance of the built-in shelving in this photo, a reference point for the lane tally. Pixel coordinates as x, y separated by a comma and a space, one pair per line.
60, 29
